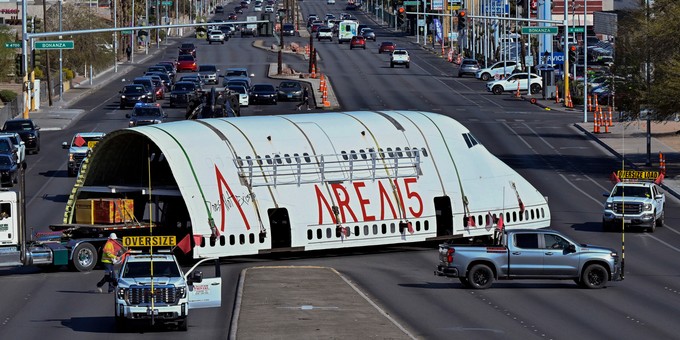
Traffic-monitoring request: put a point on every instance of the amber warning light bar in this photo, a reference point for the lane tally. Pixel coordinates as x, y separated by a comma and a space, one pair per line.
149, 241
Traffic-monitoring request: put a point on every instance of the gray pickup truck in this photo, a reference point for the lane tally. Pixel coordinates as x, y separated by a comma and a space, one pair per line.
529, 254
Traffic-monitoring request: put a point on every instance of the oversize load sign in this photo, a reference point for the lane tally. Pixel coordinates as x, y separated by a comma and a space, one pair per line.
149, 241
632, 174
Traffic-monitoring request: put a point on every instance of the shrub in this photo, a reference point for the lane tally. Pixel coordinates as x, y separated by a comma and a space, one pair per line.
38, 73
68, 74
7, 95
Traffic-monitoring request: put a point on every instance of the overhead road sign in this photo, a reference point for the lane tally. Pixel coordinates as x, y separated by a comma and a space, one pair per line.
539, 30
54, 45
12, 45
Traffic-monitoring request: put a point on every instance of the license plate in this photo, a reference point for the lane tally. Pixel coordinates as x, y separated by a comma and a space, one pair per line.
152, 311
290, 95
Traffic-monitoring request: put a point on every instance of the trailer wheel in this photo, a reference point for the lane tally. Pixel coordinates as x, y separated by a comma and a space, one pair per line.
84, 257
480, 276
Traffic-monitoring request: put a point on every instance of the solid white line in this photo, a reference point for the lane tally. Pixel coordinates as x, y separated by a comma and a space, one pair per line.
237, 306
663, 242
356, 289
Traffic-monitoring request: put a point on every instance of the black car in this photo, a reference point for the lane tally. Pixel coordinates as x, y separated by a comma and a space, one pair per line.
188, 48
132, 94
238, 10
219, 9
29, 132
290, 90
8, 170
167, 81
263, 93
182, 93
288, 29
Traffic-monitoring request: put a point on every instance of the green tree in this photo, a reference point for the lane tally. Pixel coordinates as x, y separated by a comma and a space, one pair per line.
7, 55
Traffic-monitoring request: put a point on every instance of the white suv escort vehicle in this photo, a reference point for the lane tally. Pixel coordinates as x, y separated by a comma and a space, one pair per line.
504, 68
152, 288
635, 203
400, 57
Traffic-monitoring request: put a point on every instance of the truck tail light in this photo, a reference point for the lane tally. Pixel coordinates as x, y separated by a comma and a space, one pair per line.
449, 255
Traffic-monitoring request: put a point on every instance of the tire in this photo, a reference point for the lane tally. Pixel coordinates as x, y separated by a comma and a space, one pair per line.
465, 282
480, 277
122, 107
392, 65
71, 173
85, 257
606, 227
121, 324
182, 326
535, 88
595, 276
379, 52
659, 221
497, 89
652, 227
486, 76
408, 65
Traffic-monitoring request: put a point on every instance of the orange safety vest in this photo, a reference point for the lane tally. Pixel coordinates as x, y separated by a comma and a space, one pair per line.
109, 252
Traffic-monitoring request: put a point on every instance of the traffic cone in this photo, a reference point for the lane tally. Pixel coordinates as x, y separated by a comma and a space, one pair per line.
313, 71
596, 123
611, 122
518, 94
596, 104
590, 106
322, 82
603, 118
662, 163
324, 97
557, 94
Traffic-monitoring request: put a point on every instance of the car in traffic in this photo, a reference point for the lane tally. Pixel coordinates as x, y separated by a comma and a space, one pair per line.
8, 147
167, 81
131, 94
146, 114
324, 33
208, 73
517, 81
148, 85
216, 36
400, 57
9, 170
504, 68
186, 62
80, 147
235, 72
368, 34
239, 82
182, 93
243, 97
238, 10
161, 69
18, 144
263, 93
158, 85
357, 42
257, 8
269, 9
194, 78
289, 90
232, 16
387, 47
187, 48
28, 130
288, 30
219, 9
171, 66
468, 66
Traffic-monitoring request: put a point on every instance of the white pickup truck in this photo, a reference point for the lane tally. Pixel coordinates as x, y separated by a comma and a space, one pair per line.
400, 57
636, 204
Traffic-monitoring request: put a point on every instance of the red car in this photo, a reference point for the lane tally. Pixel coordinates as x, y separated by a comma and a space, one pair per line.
233, 16
186, 62
357, 42
386, 46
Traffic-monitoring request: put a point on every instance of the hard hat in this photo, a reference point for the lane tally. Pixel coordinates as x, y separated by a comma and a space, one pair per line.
113, 236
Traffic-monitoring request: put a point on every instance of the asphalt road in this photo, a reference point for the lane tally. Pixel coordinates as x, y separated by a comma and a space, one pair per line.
542, 145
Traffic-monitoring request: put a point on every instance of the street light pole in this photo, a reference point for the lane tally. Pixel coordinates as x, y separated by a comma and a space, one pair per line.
61, 66
281, 13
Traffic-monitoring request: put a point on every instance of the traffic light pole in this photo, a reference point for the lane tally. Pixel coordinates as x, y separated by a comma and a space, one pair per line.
565, 74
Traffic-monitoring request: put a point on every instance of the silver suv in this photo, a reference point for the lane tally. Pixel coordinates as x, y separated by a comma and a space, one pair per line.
468, 66
324, 33
216, 36
208, 73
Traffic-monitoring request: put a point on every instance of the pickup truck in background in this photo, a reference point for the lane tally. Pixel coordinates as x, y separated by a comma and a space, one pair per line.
80, 147
400, 57
529, 254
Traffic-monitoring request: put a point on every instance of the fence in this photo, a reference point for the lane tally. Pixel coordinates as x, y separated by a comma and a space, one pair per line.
11, 109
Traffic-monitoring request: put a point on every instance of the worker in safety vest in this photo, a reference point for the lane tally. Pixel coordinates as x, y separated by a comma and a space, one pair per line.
109, 258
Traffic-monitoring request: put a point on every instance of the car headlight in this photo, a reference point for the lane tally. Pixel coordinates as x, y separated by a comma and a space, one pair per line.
646, 207
121, 293
608, 205
157, 121
122, 97
70, 157
172, 95
142, 96
182, 292
132, 123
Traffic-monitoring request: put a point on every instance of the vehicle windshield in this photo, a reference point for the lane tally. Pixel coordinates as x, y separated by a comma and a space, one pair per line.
239, 89
187, 46
18, 126
263, 88
148, 112
5, 146
289, 85
185, 58
236, 74
143, 269
207, 68
185, 87
5, 160
632, 191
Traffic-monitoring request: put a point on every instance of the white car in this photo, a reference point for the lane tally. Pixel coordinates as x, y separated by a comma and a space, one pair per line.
257, 8
269, 9
330, 2
504, 68
243, 97
18, 144
216, 36
511, 83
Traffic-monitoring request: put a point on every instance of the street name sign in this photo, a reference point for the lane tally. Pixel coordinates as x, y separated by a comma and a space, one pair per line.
166, 3
539, 30
54, 45
12, 45
412, 3
577, 29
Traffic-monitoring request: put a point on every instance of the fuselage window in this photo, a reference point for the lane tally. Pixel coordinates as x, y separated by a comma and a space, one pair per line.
310, 234
473, 140
307, 159
278, 159
259, 160
542, 213
269, 159
381, 153
287, 157
408, 152
344, 155
296, 157
319, 234
354, 154
249, 160
363, 154
467, 140
357, 230
390, 153
393, 229
424, 152
239, 161
399, 153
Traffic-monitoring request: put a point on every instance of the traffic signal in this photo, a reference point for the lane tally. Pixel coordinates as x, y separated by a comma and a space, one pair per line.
19, 65
401, 17
461, 20
572, 54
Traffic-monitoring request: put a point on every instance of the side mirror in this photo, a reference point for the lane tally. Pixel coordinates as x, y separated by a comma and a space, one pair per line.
127, 115
196, 277
605, 194
570, 249
64, 145
658, 197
